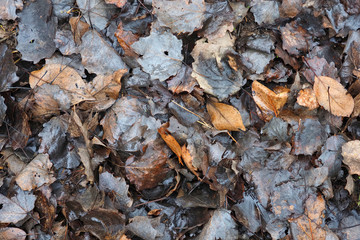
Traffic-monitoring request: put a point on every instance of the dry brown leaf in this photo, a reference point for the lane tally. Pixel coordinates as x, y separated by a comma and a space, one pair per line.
78, 28
307, 98
225, 117
11, 233
188, 159
351, 155
86, 161
268, 101
118, 3
67, 78
126, 39
170, 141
332, 96
36, 173
356, 111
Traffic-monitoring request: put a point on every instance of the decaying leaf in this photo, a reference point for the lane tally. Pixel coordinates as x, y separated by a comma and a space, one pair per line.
225, 117
170, 141
36, 173
332, 96
307, 99
67, 78
351, 155
269, 102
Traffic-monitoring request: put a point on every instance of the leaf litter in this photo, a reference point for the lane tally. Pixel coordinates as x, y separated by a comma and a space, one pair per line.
197, 119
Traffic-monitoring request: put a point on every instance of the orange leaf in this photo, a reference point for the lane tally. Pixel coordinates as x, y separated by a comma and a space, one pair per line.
269, 102
225, 117
332, 96
170, 141
188, 159
307, 99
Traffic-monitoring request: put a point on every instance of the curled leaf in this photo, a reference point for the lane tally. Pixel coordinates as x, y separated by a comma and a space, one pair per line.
332, 96
268, 101
225, 117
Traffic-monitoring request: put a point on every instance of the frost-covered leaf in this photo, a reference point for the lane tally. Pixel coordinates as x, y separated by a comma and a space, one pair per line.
36, 174
16, 208
96, 12
66, 78
225, 117
220, 226
11, 233
7, 68
104, 62
179, 15
351, 155
161, 54
332, 96
37, 30
212, 68
109, 183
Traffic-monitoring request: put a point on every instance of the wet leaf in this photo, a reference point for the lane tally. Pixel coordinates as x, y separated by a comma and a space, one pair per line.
332, 96
161, 54
180, 16
36, 174
170, 141
65, 77
351, 155
11, 233
7, 68
37, 30
295, 38
182, 81
307, 98
269, 102
225, 117
16, 208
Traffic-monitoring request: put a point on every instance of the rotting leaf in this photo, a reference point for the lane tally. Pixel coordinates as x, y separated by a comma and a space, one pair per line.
351, 154
225, 117
332, 96
36, 174
170, 141
180, 16
161, 54
67, 78
269, 102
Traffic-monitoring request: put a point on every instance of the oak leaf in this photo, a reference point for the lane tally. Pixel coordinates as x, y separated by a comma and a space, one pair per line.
225, 117
332, 96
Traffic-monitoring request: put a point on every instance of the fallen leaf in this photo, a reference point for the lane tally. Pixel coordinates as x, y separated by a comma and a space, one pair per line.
11, 233
78, 28
15, 209
86, 161
307, 99
269, 102
356, 111
225, 117
332, 96
187, 158
46, 210
67, 78
351, 155
36, 173
170, 141
126, 39
118, 3
7, 68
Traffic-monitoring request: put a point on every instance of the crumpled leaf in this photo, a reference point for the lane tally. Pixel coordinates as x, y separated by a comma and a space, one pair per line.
170, 141
37, 30
180, 16
109, 183
212, 68
65, 77
351, 155
269, 102
220, 226
307, 98
161, 54
7, 68
332, 96
104, 62
36, 174
16, 208
225, 117
11, 233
